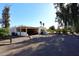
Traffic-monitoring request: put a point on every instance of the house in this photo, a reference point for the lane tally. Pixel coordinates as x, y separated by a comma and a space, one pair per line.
27, 30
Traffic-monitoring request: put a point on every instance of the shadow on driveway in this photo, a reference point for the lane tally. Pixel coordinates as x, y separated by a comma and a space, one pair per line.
58, 45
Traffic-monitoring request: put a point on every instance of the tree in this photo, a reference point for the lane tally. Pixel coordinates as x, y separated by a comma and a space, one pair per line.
3, 32
41, 23
52, 28
5, 16
5, 21
69, 14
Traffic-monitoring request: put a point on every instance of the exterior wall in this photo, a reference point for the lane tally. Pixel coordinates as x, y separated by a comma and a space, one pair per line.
42, 28
25, 31
14, 30
39, 30
22, 33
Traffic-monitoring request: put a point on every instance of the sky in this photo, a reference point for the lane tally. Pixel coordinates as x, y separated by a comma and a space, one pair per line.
30, 14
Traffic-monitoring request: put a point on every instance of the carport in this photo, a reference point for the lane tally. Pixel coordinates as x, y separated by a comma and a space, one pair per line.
32, 31
27, 29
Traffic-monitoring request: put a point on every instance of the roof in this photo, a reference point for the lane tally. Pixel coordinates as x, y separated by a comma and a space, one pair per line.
28, 27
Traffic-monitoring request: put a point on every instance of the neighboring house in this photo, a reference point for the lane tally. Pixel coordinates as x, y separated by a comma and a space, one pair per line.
26, 30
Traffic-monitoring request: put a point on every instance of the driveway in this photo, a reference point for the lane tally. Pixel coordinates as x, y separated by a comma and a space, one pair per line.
41, 45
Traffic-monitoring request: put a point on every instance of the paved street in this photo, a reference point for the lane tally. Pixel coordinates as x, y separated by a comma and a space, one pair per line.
41, 45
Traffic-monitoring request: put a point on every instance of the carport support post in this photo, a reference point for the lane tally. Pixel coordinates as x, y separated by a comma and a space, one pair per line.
20, 31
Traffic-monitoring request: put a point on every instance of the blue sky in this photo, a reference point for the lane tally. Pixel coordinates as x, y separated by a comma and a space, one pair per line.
30, 14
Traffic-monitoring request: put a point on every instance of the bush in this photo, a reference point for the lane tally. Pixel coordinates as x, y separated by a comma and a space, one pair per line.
4, 32
58, 31
50, 31
64, 31
52, 28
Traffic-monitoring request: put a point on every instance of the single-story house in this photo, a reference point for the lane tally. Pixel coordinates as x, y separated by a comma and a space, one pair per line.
27, 30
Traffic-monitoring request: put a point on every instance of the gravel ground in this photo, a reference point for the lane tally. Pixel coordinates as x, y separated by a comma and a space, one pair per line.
41, 45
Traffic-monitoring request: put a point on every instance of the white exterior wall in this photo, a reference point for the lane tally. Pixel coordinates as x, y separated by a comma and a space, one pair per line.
22, 33
39, 30
13, 29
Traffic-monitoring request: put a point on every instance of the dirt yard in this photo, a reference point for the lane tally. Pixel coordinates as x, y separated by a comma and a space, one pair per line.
41, 45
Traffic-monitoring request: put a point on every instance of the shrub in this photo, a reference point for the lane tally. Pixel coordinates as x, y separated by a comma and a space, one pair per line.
4, 32
50, 31
64, 31
58, 31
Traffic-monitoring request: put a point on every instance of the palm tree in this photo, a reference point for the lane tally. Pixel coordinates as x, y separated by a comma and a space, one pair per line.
41, 23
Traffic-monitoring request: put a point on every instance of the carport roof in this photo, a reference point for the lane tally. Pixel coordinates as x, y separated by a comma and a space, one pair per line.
28, 27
